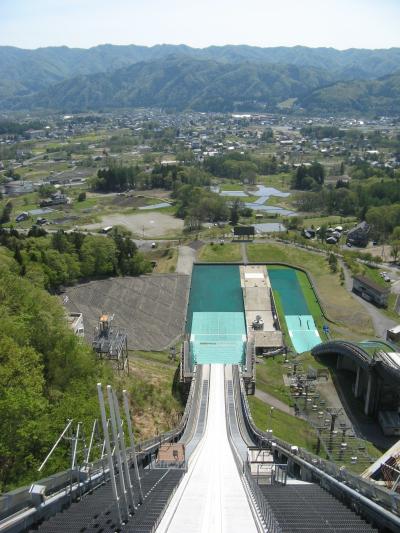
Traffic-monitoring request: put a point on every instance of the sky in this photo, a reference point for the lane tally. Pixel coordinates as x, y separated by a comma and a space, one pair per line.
340, 24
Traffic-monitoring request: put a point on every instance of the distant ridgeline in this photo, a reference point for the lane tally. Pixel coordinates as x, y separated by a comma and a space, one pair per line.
212, 79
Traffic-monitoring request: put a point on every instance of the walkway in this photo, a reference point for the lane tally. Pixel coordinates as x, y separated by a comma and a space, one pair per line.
186, 259
243, 251
211, 497
274, 402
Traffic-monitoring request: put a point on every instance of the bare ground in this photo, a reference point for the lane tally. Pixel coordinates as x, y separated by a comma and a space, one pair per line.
143, 224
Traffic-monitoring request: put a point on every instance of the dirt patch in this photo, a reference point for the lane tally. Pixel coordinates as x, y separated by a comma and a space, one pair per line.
157, 193
142, 224
196, 245
130, 201
380, 251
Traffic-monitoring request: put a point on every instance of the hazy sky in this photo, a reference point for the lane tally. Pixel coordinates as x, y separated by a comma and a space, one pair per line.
84, 23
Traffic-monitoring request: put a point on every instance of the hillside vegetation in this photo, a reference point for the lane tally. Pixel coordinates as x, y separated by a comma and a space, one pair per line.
48, 375
381, 96
212, 79
65, 258
181, 83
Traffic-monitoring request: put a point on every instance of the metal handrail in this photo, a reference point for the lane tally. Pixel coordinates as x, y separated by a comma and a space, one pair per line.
367, 492
82, 479
263, 507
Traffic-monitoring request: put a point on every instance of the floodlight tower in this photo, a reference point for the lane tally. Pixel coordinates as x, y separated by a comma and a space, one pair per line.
110, 342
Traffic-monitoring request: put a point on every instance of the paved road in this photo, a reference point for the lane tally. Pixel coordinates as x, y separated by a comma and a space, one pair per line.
186, 259
380, 322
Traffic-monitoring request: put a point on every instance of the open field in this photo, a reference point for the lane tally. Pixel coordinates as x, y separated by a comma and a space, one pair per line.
330, 221
220, 253
231, 186
279, 181
150, 224
269, 378
287, 427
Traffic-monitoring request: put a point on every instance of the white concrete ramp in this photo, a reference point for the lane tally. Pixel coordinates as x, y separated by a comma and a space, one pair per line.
211, 497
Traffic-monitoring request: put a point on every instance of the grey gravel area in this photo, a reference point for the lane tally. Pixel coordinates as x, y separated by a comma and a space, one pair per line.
186, 258
151, 309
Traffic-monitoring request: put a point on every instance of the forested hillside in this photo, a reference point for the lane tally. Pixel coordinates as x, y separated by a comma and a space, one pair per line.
47, 374
216, 78
65, 258
182, 83
378, 96
25, 71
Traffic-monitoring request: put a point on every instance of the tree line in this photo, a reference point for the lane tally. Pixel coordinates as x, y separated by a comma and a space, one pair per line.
64, 258
119, 178
116, 177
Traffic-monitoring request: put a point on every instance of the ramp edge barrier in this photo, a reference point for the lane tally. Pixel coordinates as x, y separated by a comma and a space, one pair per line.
263, 515
17, 511
377, 504
200, 410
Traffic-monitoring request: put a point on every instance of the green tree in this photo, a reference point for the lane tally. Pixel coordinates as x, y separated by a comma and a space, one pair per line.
235, 212
6, 213
333, 262
46, 190
46, 375
60, 242
56, 269
268, 135
395, 250
98, 256
322, 232
22, 404
317, 172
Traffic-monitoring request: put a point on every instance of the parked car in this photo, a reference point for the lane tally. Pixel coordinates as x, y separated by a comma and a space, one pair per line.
22, 216
331, 240
41, 221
